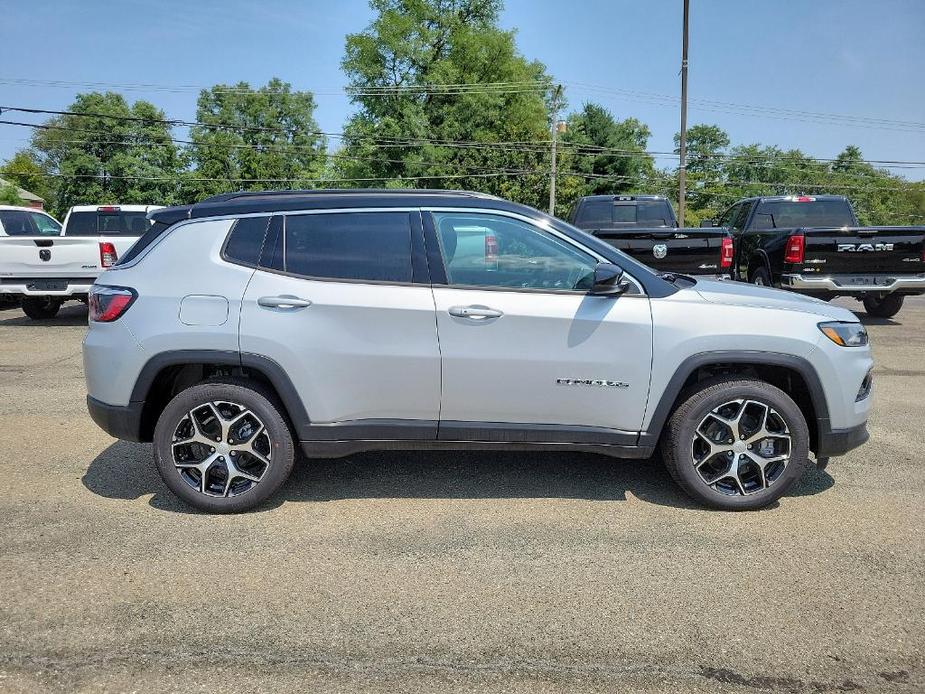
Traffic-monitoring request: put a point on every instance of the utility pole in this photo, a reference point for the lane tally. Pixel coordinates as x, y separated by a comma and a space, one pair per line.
682, 164
556, 93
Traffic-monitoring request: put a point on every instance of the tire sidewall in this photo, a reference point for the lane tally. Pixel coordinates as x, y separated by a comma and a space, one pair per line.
282, 458
699, 404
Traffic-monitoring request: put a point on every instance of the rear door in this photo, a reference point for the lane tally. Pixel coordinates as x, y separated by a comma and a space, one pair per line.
527, 353
342, 302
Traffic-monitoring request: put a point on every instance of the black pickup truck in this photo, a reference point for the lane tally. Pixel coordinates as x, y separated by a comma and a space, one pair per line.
813, 245
645, 227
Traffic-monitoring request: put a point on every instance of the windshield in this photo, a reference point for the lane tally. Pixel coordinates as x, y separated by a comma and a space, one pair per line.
116, 223
26, 223
790, 214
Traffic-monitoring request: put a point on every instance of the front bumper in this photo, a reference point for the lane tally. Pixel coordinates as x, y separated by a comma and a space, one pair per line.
853, 284
119, 421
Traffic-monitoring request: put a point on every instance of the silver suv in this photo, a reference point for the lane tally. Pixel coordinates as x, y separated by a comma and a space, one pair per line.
242, 328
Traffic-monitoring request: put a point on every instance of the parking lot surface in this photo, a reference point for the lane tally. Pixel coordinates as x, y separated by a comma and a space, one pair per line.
450, 571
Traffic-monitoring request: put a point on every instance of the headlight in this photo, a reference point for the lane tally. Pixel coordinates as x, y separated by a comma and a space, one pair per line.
845, 334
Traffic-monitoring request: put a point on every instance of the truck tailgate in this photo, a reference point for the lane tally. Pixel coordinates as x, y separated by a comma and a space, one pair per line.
49, 256
689, 251
864, 250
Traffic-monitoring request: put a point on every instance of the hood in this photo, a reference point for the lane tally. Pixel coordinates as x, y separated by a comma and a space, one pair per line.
742, 294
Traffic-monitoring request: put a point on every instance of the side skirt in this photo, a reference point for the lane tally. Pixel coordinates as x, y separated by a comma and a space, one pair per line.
339, 449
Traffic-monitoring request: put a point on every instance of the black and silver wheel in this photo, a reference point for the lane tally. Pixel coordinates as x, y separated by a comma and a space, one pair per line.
884, 307
760, 277
41, 307
223, 447
736, 444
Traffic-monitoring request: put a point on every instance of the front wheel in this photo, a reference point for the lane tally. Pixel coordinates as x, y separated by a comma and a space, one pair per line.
761, 277
41, 307
886, 307
736, 444
223, 447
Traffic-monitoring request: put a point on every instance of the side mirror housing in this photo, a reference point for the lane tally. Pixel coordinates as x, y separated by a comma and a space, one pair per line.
608, 280
707, 223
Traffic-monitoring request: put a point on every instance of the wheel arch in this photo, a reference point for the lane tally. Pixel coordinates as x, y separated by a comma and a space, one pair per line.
758, 258
792, 374
168, 373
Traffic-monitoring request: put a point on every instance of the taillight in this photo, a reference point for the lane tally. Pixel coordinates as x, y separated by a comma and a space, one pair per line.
796, 246
108, 255
108, 208
109, 303
725, 258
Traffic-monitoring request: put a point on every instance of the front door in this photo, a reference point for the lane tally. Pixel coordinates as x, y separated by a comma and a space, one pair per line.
526, 351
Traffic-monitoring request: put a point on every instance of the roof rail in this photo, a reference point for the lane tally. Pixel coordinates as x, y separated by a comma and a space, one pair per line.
225, 197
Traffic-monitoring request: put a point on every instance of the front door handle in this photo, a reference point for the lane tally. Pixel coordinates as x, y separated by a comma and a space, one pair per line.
284, 302
475, 312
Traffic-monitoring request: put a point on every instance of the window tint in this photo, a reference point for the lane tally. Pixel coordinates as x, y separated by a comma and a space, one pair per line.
485, 250
786, 214
107, 223
246, 239
725, 219
595, 213
656, 213
738, 222
624, 214
370, 246
25, 223
272, 256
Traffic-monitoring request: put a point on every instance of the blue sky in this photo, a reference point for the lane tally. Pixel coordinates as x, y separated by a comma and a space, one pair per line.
846, 57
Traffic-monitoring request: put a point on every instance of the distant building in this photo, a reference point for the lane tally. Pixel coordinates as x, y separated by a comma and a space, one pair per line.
28, 199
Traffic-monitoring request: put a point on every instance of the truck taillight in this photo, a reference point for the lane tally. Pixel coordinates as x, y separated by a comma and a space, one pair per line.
108, 255
109, 303
796, 247
725, 258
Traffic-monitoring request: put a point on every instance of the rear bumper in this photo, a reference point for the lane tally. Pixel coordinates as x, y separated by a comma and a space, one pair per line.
850, 284
839, 441
119, 421
29, 287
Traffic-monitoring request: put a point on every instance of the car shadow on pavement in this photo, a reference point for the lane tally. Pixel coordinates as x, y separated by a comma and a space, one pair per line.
70, 314
126, 471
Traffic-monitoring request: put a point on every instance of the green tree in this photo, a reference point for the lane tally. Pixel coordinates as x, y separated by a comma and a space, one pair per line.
268, 135
25, 171
98, 158
610, 153
9, 195
398, 69
706, 181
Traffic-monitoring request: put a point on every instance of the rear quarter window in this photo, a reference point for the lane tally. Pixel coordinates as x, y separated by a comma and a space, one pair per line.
245, 240
358, 246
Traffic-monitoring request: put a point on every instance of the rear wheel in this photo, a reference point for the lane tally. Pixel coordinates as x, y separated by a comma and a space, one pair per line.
41, 307
736, 444
886, 307
760, 277
223, 447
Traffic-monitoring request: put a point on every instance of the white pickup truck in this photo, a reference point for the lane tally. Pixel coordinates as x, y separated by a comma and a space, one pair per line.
46, 265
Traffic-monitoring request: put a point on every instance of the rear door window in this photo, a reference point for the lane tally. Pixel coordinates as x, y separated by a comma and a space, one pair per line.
358, 246
98, 223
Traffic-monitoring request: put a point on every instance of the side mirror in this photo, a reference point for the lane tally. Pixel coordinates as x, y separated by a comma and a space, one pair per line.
608, 280
707, 223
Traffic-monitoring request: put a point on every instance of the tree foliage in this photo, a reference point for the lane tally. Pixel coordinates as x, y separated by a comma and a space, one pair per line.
410, 49
95, 159
9, 195
23, 170
266, 136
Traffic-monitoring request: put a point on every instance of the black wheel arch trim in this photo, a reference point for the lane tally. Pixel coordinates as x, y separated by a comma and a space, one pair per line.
669, 396
274, 373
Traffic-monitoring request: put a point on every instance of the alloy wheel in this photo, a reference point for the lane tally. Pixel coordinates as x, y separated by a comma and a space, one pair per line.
221, 449
741, 447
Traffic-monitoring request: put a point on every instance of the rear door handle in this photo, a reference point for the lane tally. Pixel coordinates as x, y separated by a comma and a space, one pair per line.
475, 312
284, 302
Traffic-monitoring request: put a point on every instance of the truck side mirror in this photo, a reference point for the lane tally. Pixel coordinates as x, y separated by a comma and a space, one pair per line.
707, 223
608, 280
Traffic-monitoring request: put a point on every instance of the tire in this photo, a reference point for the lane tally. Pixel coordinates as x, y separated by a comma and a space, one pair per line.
760, 277
229, 485
705, 475
887, 307
41, 307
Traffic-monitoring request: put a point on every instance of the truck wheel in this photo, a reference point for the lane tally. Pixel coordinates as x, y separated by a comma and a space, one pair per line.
41, 307
887, 307
760, 277
223, 447
736, 444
